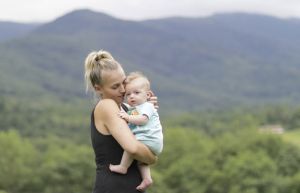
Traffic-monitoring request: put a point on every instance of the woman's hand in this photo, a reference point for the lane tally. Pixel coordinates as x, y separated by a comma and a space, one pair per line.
153, 99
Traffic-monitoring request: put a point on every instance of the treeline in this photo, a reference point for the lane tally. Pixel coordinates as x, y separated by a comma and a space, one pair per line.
67, 119
192, 162
232, 163
215, 122
71, 118
49, 165
206, 152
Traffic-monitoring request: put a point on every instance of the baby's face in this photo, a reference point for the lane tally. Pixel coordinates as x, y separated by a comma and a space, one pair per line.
136, 93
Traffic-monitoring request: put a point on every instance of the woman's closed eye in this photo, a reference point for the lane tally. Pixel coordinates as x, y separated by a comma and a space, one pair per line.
116, 86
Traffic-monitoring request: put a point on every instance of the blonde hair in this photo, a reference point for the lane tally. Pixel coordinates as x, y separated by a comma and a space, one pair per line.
95, 64
138, 75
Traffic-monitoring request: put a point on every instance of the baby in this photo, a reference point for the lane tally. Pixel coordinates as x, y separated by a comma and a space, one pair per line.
144, 122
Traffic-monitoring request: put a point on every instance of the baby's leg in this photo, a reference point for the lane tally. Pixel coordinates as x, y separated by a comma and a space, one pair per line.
124, 165
146, 176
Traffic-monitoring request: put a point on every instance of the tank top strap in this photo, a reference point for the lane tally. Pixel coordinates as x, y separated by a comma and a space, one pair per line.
124, 107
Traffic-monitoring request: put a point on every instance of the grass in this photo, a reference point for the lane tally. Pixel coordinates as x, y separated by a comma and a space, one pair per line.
292, 136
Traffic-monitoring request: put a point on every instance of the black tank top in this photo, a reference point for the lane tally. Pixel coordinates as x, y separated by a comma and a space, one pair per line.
108, 151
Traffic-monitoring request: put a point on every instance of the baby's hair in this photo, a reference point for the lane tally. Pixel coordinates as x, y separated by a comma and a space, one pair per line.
138, 75
95, 63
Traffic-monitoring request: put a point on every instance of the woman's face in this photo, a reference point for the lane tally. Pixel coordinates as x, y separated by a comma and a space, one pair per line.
113, 85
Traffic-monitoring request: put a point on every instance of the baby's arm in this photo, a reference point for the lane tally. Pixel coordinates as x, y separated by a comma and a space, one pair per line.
134, 119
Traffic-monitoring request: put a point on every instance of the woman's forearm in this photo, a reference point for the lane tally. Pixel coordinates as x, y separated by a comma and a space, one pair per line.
143, 154
107, 112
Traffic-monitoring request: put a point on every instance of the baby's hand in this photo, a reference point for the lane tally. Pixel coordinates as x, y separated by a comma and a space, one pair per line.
123, 115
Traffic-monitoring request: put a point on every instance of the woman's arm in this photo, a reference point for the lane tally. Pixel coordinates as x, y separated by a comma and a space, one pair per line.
107, 111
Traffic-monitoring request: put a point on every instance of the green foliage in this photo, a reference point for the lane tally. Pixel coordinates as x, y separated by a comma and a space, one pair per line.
45, 148
66, 167
293, 137
69, 119
17, 161
44, 165
244, 161
250, 171
216, 122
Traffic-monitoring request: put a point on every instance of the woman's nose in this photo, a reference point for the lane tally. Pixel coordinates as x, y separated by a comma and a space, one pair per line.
122, 89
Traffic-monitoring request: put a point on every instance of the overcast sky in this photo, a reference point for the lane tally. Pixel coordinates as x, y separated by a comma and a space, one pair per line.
47, 10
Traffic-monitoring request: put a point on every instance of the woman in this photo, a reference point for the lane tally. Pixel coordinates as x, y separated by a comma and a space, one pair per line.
109, 133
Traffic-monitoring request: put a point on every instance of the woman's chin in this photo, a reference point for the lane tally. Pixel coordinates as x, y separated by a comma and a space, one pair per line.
119, 99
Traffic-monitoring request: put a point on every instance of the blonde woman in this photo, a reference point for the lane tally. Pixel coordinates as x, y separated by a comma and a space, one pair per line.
110, 134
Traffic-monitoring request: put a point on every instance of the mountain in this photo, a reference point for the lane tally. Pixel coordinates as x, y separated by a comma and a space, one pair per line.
193, 63
12, 30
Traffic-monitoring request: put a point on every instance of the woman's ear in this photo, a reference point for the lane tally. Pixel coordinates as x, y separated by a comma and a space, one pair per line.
97, 88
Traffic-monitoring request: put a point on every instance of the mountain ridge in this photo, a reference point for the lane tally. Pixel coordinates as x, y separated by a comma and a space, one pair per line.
193, 63
11, 30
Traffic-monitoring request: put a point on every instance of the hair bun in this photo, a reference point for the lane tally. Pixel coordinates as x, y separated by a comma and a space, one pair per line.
95, 63
103, 55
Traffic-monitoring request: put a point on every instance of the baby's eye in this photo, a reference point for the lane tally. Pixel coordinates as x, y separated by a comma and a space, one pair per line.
136, 92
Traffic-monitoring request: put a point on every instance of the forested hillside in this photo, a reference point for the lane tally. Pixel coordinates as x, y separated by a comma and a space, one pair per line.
193, 63
12, 30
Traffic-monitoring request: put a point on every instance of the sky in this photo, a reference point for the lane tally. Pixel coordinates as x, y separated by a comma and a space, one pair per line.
48, 10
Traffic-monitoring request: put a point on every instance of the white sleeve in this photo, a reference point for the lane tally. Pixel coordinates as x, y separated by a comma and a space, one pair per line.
146, 109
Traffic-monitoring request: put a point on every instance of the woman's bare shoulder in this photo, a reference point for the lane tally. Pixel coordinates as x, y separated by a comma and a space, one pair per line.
106, 106
106, 102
